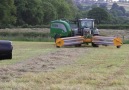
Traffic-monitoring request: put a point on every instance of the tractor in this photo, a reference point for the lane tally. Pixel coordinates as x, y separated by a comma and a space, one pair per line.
78, 32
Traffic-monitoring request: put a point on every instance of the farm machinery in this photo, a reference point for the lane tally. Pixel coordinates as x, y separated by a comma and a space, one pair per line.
5, 49
79, 32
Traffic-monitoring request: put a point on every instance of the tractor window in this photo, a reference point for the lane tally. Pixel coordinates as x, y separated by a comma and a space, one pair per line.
59, 26
87, 24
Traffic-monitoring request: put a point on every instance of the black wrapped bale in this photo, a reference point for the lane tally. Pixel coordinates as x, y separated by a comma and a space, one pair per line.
5, 49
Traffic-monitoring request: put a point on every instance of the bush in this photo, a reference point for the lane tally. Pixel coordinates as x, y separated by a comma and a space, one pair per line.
126, 42
109, 26
25, 35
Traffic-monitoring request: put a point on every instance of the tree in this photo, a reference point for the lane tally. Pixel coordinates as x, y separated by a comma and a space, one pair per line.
104, 6
115, 6
99, 15
122, 9
117, 10
29, 12
63, 8
7, 12
50, 12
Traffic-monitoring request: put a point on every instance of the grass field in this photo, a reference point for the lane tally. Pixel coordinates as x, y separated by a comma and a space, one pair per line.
26, 50
103, 68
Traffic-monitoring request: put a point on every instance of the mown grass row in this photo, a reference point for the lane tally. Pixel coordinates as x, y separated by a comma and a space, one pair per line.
104, 68
27, 50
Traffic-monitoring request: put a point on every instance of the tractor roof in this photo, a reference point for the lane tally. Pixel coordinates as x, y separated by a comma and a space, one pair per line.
86, 19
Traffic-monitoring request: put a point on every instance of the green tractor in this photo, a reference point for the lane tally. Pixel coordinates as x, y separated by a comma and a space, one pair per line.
79, 32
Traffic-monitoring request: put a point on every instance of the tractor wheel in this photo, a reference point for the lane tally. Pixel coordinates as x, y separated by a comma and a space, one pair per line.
95, 45
78, 45
57, 46
57, 36
118, 46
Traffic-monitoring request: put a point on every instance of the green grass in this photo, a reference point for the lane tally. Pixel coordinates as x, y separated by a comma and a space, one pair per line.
126, 41
103, 68
26, 50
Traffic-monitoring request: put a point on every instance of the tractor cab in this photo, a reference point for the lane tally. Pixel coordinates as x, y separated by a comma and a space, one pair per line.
85, 26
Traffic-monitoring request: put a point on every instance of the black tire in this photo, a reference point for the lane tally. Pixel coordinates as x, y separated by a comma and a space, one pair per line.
78, 45
95, 45
118, 46
57, 46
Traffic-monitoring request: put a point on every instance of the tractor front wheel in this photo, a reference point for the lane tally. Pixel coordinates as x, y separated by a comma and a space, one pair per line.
78, 45
57, 36
118, 46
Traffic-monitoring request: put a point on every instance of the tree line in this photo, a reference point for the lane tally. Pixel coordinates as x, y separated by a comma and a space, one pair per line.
103, 15
34, 12
41, 12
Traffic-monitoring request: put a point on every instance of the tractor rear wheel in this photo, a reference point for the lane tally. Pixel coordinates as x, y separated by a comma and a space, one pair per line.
78, 45
95, 45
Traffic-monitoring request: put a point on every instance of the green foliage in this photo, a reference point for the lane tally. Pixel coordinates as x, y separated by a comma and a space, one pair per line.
63, 8
110, 26
34, 12
49, 12
29, 12
98, 14
7, 13
37, 12
117, 10
126, 42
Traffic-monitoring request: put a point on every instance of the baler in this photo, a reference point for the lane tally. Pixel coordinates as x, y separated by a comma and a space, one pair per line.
5, 49
80, 32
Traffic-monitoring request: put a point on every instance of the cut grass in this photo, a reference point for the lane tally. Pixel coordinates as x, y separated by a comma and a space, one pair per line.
26, 50
104, 68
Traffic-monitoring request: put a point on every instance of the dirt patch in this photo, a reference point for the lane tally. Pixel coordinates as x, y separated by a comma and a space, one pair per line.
42, 63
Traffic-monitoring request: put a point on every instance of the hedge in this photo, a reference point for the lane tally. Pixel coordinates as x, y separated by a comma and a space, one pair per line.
109, 26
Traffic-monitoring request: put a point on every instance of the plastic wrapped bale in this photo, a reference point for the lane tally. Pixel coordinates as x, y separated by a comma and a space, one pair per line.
5, 49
